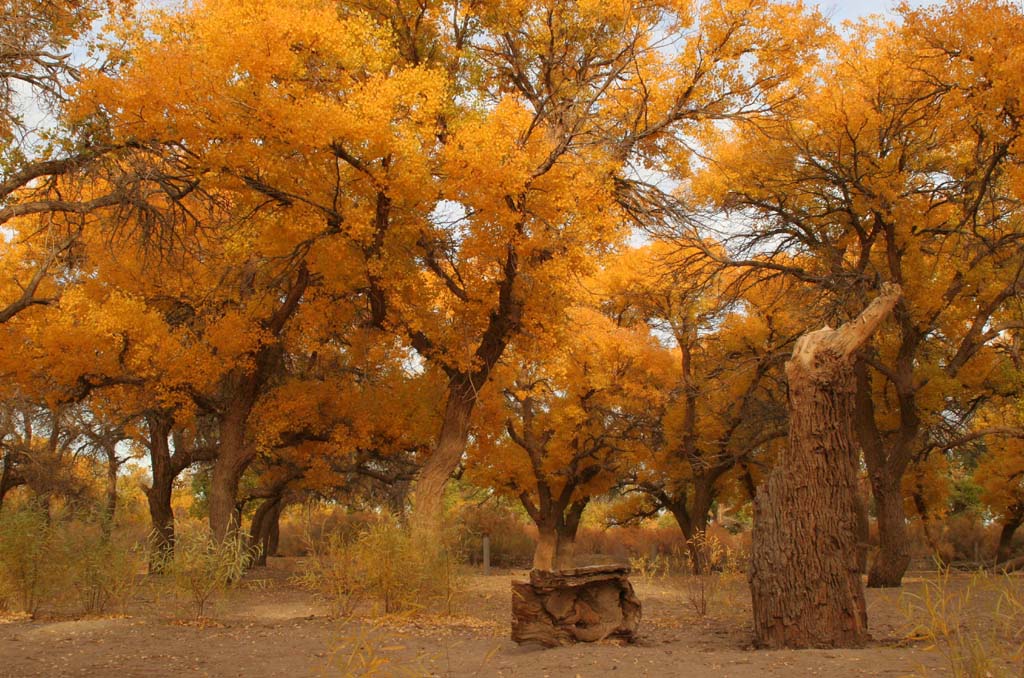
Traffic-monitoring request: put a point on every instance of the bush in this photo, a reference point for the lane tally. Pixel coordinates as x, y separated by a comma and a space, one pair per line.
202, 567
308, 528
102, 566
387, 565
31, 565
50, 561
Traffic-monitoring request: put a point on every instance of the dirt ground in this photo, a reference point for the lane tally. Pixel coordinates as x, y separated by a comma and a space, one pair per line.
268, 627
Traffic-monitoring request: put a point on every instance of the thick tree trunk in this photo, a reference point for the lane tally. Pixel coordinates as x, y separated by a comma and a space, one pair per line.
805, 578
233, 457
557, 525
1009, 527
887, 461
893, 556
9, 478
427, 496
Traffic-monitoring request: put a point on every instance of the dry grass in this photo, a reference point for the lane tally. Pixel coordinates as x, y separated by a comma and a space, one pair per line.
977, 625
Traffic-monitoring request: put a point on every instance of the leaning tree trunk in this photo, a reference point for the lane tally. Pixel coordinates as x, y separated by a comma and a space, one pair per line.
259, 531
427, 494
805, 579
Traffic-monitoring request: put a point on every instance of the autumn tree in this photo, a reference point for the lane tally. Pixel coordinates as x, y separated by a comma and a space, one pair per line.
474, 158
900, 165
723, 404
571, 410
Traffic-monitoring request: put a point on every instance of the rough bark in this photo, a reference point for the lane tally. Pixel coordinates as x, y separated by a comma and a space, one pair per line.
805, 576
586, 604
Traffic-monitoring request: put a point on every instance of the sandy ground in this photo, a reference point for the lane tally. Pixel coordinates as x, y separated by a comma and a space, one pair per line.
268, 627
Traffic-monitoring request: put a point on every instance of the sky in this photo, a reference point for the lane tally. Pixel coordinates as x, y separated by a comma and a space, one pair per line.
840, 11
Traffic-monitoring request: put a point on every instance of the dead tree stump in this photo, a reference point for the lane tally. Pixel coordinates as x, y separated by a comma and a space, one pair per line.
585, 604
805, 572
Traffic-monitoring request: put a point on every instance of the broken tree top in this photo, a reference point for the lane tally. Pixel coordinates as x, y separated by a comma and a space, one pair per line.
581, 604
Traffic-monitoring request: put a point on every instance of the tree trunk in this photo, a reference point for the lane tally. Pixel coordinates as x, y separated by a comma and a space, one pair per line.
1010, 525
427, 495
893, 553
694, 533
274, 529
694, 523
233, 458
863, 533
805, 581
111, 505
158, 495
9, 478
259, 531
927, 524
887, 462
556, 549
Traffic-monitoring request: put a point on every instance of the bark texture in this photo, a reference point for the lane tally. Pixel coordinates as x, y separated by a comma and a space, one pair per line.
586, 604
805, 571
